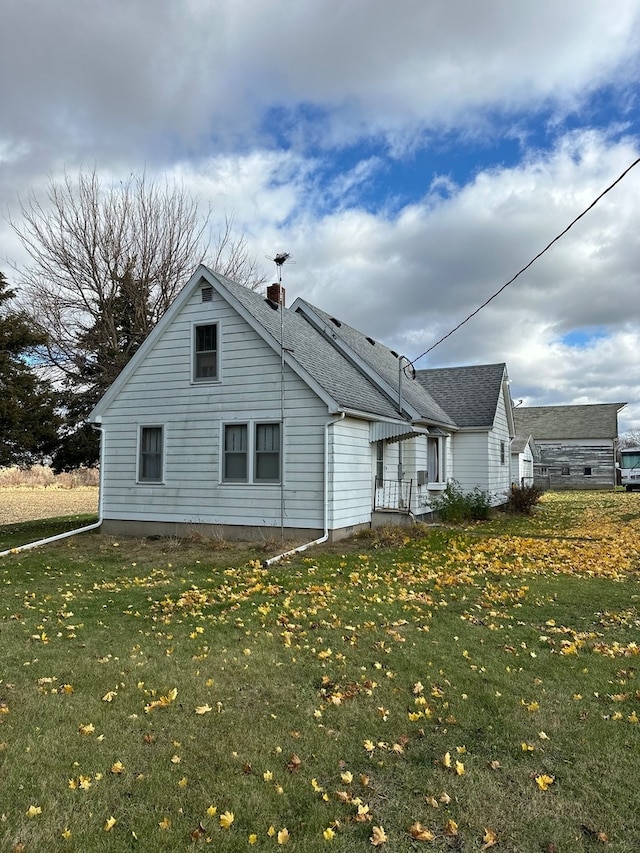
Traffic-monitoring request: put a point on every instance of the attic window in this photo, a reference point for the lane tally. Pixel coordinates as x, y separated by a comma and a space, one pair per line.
336, 322
371, 341
207, 294
205, 353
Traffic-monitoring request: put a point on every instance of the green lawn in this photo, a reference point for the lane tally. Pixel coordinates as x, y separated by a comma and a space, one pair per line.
462, 689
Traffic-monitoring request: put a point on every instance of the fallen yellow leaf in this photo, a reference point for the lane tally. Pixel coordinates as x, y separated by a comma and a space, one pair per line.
226, 819
543, 781
378, 836
283, 836
418, 832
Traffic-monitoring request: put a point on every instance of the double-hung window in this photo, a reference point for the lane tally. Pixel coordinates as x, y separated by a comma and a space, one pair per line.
251, 453
150, 460
205, 352
267, 453
235, 462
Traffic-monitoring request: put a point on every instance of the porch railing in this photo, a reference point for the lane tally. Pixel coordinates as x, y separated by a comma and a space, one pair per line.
392, 495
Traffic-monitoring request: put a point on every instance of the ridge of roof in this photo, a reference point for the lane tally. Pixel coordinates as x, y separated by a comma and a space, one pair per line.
379, 363
316, 355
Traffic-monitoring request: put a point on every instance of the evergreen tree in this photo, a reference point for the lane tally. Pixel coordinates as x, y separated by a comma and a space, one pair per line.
28, 420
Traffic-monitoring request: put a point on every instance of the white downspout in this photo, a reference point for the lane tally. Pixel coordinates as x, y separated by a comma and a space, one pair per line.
19, 548
325, 536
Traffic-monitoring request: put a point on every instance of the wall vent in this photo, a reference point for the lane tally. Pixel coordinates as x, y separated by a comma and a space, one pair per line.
207, 294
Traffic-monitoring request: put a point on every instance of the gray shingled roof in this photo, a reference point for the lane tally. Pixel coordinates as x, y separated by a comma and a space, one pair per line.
469, 394
382, 362
518, 443
596, 420
342, 380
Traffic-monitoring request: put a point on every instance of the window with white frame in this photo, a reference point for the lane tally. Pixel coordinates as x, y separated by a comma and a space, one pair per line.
151, 453
251, 453
205, 352
434, 453
503, 453
380, 461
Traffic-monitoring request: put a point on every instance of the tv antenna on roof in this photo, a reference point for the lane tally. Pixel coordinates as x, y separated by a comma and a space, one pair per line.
279, 260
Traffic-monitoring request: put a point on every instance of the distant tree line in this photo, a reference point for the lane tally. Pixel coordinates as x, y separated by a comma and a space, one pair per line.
105, 264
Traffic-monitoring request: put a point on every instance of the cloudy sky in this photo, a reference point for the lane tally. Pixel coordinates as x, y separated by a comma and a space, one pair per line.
411, 156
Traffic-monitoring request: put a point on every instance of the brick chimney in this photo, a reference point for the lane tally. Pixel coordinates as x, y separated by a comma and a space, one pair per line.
276, 293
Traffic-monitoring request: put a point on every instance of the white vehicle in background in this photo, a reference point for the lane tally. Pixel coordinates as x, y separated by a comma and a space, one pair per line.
630, 468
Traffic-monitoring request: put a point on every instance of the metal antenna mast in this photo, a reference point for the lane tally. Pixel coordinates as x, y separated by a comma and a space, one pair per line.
280, 260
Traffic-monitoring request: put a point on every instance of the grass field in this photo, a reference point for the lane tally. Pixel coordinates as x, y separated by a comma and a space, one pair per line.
27, 503
465, 689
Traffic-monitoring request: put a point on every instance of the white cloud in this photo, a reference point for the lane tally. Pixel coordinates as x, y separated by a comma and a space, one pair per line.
206, 91
147, 76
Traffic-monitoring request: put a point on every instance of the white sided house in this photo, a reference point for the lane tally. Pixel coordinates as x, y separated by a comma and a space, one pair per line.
247, 418
478, 399
523, 456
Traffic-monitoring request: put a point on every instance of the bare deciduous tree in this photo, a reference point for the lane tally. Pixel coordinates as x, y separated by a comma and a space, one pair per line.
106, 263
631, 438
98, 253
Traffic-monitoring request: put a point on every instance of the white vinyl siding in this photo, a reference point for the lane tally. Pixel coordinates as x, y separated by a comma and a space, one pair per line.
477, 457
193, 414
499, 472
353, 473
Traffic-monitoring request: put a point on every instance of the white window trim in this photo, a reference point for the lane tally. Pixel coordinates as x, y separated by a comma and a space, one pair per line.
440, 482
163, 460
251, 425
192, 376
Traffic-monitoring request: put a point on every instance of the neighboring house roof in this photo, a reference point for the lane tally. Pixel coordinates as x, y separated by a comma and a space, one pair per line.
519, 443
379, 362
469, 394
546, 423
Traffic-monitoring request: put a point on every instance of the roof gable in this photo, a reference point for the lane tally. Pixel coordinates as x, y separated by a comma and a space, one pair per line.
320, 364
469, 394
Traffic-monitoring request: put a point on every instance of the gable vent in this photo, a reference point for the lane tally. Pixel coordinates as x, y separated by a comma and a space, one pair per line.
207, 294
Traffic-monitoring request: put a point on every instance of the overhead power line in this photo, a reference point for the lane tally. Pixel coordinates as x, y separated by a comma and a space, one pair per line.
532, 261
